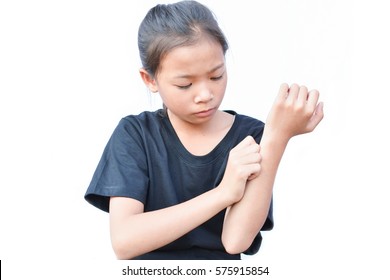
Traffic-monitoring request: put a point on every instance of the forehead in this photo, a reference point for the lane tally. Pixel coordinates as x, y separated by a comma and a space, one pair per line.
197, 59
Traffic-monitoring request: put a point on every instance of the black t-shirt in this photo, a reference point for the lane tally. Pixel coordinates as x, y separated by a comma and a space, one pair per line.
145, 160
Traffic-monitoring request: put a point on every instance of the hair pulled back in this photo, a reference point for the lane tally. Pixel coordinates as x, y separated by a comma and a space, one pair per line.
167, 26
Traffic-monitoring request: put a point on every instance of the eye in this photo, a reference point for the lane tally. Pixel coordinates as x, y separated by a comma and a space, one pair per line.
185, 87
216, 78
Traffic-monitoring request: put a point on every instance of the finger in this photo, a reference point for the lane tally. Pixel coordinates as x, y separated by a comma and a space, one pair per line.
302, 95
293, 93
312, 100
246, 156
317, 117
283, 92
252, 148
251, 158
247, 141
254, 170
253, 176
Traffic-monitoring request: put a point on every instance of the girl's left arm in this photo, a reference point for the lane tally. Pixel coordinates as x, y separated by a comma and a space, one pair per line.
295, 111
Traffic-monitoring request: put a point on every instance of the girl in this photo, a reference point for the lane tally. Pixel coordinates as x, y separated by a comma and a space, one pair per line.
190, 181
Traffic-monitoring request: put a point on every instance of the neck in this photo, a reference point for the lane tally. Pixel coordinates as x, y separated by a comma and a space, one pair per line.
183, 126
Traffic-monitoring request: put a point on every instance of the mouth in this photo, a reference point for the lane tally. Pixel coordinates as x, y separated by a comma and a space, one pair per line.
205, 113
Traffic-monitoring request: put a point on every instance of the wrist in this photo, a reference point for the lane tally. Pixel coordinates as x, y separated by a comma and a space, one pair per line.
274, 137
226, 195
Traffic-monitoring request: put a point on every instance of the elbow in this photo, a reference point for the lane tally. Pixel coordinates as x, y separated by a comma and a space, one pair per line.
121, 254
122, 249
235, 245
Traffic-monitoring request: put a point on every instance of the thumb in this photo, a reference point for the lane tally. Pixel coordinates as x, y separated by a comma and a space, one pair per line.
318, 115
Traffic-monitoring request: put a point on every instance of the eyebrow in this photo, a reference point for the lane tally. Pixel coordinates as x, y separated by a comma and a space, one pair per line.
185, 76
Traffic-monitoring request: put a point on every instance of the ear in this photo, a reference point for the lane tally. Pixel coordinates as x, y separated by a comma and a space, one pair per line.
149, 81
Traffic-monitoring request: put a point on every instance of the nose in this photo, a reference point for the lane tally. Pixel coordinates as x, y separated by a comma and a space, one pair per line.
203, 95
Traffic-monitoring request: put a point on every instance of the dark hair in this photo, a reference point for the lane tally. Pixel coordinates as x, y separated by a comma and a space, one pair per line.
169, 26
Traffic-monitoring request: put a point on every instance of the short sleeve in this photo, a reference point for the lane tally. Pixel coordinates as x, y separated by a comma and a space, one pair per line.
122, 169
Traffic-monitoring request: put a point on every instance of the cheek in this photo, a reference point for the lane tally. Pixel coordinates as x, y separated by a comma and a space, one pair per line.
222, 87
173, 97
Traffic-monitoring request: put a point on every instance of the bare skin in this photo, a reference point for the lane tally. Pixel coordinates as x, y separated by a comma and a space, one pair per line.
295, 111
192, 83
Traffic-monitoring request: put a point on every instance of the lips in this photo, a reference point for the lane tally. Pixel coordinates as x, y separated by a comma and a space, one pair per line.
205, 113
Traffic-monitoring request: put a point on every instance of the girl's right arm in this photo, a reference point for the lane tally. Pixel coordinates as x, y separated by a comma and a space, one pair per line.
135, 232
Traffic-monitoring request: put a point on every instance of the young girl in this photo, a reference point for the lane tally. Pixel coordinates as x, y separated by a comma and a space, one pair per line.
190, 181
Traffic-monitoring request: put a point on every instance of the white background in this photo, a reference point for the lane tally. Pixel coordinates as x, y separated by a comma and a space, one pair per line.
69, 72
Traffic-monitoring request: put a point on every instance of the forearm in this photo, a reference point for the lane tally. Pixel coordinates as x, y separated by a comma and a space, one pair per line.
245, 218
134, 235
295, 111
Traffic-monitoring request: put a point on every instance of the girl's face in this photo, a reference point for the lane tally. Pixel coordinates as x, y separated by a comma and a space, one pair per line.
192, 81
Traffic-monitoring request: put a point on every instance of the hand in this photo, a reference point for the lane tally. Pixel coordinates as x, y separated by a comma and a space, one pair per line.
243, 165
295, 111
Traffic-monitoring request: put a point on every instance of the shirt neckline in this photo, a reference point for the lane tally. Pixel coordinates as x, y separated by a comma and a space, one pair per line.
174, 143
